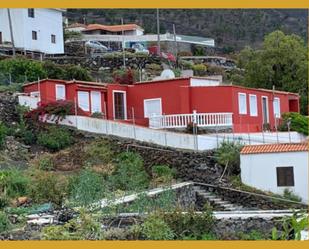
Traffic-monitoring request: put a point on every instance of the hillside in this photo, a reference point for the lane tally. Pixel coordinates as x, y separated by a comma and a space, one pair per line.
232, 29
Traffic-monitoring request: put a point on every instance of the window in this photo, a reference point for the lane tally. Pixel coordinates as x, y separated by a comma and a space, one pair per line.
242, 103
34, 35
83, 100
96, 105
31, 13
253, 105
152, 107
276, 105
285, 177
53, 38
60, 92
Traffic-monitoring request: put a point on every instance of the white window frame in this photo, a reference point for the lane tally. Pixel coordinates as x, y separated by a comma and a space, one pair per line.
267, 107
253, 114
239, 107
78, 101
124, 100
145, 107
100, 95
57, 96
276, 115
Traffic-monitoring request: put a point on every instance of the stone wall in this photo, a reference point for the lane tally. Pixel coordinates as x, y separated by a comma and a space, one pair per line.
8, 113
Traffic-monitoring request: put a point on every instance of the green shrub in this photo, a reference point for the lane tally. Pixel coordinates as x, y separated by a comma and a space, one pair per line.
129, 173
4, 222
288, 194
298, 122
47, 187
4, 201
3, 133
46, 162
84, 228
190, 223
98, 152
97, 115
86, 188
163, 174
228, 154
13, 183
154, 67
199, 69
154, 228
252, 235
55, 138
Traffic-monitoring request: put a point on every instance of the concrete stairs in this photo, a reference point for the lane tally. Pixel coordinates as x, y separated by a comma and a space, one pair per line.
216, 200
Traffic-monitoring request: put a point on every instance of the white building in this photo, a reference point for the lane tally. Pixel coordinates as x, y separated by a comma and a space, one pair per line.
126, 29
276, 167
38, 30
76, 27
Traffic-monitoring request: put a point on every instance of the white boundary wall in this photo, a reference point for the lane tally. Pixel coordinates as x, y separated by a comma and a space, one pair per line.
171, 139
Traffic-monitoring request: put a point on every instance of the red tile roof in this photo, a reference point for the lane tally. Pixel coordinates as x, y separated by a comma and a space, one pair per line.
274, 148
112, 28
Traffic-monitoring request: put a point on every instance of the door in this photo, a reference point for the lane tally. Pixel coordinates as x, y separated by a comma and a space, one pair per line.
119, 105
0, 37
96, 105
83, 100
265, 110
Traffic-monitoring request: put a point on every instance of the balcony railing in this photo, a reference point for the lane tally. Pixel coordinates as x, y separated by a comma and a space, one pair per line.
29, 101
210, 120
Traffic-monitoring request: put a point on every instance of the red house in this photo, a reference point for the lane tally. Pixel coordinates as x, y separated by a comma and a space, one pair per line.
174, 103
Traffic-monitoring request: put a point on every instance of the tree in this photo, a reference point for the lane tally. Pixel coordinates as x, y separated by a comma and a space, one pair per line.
282, 62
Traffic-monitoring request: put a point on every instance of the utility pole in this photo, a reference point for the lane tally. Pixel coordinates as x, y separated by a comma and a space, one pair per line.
158, 33
11, 31
175, 41
123, 52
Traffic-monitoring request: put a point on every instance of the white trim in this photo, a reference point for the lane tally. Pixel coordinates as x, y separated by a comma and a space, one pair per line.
239, 109
56, 91
147, 100
267, 108
279, 109
125, 103
256, 106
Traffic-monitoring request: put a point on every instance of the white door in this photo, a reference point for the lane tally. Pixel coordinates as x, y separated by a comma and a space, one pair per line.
152, 107
83, 100
96, 105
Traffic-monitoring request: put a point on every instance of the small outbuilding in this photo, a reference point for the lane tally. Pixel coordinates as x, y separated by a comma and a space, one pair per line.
276, 167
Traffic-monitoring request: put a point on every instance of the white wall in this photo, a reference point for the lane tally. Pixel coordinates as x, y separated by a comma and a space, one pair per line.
45, 22
259, 171
204, 82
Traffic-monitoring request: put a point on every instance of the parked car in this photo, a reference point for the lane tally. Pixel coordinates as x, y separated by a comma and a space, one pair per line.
137, 47
96, 45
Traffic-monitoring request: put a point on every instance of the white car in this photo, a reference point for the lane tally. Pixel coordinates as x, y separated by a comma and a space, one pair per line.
139, 48
96, 45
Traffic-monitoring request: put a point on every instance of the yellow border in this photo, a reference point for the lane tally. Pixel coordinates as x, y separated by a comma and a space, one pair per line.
155, 4
220, 4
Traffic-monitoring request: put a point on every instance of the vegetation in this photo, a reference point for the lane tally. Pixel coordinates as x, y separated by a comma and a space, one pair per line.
85, 228
13, 183
98, 153
47, 187
4, 222
282, 62
155, 228
228, 154
55, 138
199, 69
190, 223
129, 174
3, 133
162, 174
14, 71
86, 188
46, 162
124, 76
297, 122
288, 194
